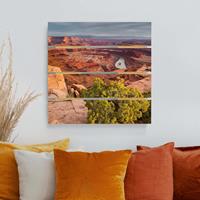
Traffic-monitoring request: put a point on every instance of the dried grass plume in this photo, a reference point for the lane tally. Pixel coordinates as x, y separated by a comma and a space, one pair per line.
11, 107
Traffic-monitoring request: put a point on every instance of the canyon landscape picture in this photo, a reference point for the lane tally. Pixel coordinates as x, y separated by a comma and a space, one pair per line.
99, 73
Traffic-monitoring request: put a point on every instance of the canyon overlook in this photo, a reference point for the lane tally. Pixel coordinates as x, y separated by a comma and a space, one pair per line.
82, 66
99, 59
72, 70
99, 72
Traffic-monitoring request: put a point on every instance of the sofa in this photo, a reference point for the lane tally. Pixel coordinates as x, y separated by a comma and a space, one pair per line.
53, 171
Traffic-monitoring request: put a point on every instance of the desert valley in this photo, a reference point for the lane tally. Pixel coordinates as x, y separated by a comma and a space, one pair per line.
84, 71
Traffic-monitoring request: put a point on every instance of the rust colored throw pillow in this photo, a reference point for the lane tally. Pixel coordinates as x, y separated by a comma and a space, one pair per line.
186, 173
90, 176
150, 174
9, 180
186, 167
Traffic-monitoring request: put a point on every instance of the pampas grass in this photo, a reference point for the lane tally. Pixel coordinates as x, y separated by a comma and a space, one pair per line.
11, 107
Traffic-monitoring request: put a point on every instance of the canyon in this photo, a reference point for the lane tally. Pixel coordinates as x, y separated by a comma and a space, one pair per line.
72, 69
99, 59
82, 66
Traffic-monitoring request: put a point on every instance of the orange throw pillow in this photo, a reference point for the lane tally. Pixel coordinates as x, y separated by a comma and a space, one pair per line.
9, 180
90, 176
150, 174
186, 173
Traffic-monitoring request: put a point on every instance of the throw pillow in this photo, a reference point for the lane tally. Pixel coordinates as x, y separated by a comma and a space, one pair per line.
36, 175
9, 180
96, 176
186, 173
150, 174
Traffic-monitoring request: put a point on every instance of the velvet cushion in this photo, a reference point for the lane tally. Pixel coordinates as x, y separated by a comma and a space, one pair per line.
90, 176
9, 180
150, 174
186, 173
186, 167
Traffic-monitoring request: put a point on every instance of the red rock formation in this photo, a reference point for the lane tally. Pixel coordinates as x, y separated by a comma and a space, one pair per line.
56, 81
49, 40
67, 112
102, 60
56, 84
88, 60
144, 85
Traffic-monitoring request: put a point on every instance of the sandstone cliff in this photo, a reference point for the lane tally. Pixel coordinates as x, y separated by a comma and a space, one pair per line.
57, 88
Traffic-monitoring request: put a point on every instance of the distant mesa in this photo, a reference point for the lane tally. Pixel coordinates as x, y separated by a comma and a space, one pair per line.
87, 41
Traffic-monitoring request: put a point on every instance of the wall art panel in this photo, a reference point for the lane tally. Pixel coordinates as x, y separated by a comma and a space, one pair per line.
99, 72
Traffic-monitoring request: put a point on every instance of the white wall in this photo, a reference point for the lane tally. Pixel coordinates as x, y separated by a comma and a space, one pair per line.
176, 68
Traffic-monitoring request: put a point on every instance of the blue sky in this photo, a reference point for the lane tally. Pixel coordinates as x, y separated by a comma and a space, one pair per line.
115, 30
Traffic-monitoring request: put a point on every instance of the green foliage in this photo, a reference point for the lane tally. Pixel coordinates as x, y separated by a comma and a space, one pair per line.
146, 117
147, 95
114, 111
114, 89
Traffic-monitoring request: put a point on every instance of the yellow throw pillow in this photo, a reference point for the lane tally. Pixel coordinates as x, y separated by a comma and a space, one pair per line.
90, 176
9, 182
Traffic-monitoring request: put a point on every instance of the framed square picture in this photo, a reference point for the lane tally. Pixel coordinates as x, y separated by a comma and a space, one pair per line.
99, 73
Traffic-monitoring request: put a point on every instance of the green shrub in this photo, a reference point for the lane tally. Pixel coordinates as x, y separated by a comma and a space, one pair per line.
114, 111
113, 89
146, 117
